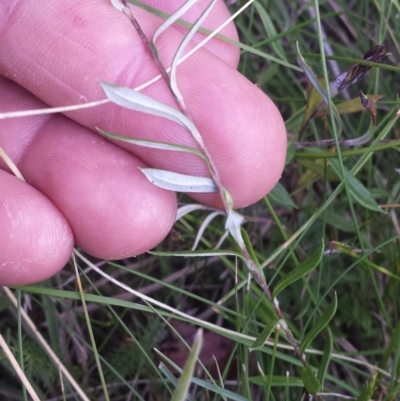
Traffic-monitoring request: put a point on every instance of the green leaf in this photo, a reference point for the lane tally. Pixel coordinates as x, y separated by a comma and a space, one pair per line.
320, 324
360, 194
326, 357
290, 152
315, 82
278, 381
151, 144
184, 382
280, 196
393, 346
270, 30
300, 271
313, 104
179, 182
263, 310
349, 106
339, 221
250, 250
263, 337
207, 385
317, 166
196, 254
311, 383
367, 393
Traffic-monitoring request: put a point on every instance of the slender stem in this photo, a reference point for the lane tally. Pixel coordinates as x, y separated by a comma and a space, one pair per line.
154, 54
264, 286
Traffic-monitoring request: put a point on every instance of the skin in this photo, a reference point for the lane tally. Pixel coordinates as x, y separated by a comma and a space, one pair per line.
82, 189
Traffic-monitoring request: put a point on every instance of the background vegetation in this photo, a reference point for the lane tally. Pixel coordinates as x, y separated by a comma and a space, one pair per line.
355, 354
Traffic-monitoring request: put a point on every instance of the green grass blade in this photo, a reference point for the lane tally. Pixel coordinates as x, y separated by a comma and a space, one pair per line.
358, 191
320, 324
326, 357
369, 389
270, 30
264, 336
300, 271
184, 382
317, 85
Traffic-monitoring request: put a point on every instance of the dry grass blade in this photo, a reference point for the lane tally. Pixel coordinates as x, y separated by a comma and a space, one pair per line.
17, 369
46, 347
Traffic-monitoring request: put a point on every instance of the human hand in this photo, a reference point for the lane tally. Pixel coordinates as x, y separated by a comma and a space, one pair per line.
86, 190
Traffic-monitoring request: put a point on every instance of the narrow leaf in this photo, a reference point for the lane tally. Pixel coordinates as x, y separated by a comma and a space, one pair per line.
270, 30
251, 252
319, 167
280, 196
118, 5
205, 223
134, 100
184, 210
263, 337
349, 106
172, 19
310, 75
311, 383
290, 152
300, 271
326, 357
340, 221
393, 346
344, 248
360, 194
197, 254
151, 144
232, 224
278, 381
250, 249
367, 393
307, 178
179, 182
201, 383
168, 374
318, 87
263, 310
319, 325
186, 40
184, 382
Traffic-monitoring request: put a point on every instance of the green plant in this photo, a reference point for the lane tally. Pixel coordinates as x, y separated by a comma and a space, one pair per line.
340, 300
